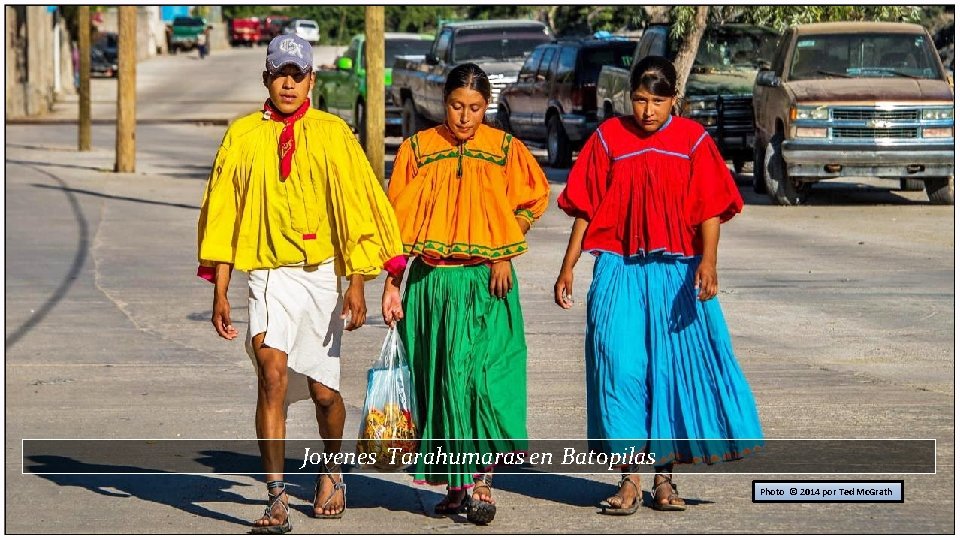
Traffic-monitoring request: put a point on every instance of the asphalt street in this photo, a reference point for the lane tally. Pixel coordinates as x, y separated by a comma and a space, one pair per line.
842, 313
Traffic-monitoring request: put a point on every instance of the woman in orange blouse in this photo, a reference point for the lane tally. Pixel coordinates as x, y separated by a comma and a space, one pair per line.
465, 195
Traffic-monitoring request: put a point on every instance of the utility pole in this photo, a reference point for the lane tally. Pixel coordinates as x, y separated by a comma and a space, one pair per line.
83, 123
375, 117
127, 91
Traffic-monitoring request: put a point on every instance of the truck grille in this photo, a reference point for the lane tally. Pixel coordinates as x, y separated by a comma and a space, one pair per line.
736, 113
497, 84
873, 114
874, 133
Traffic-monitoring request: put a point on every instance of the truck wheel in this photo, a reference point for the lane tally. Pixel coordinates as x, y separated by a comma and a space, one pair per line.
781, 188
410, 120
759, 183
607, 112
559, 153
360, 120
503, 118
912, 184
940, 190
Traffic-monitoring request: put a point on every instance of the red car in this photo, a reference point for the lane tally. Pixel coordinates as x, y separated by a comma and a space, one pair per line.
271, 27
245, 31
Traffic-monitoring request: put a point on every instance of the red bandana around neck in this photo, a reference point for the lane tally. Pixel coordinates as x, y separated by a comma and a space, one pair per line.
287, 143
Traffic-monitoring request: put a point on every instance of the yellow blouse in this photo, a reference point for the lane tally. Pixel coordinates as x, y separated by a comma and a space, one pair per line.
331, 205
472, 216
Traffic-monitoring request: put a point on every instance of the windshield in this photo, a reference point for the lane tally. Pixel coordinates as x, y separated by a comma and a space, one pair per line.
863, 55
398, 47
187, 21
490, 44
735, 47
618, 54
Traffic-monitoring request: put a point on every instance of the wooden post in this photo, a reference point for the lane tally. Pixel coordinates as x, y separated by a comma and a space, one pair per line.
127, 91
375, 114
83, 122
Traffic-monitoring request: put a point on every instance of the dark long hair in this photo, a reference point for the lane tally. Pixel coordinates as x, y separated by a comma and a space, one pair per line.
654, 74
469, 76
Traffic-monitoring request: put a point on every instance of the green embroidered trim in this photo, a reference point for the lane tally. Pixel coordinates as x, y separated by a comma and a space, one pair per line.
416, 148
466, 249
500, 160
523, 212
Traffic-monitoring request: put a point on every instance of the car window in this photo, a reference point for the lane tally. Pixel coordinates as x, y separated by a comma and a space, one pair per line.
351, 51
781, 56
497, 43
567, 62
543, 72
593, 59
863, 56
309, 24
530, 66
398, 47
735, 47
187, 21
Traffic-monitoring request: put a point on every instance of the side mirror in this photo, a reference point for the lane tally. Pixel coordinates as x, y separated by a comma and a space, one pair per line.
344, 63
763, 65
767, 78
432, 59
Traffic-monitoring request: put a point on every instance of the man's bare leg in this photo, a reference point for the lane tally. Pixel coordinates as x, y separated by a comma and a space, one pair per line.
271, 421
331, 415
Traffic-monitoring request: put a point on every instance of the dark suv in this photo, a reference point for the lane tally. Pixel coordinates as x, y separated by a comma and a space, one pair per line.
555, 96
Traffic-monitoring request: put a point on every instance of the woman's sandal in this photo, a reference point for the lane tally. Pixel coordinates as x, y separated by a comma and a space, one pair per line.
481, 512
337, 486
613, 505
273, 499
673, 500
443, 507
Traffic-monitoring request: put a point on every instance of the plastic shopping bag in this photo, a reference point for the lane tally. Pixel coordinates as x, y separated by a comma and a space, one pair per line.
388, 427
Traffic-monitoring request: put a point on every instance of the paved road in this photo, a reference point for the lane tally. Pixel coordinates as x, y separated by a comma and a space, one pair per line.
842, 314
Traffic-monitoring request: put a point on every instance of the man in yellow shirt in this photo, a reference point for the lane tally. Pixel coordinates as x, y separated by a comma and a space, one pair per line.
293, 201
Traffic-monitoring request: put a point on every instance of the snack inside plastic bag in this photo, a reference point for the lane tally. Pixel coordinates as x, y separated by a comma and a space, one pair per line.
388, 428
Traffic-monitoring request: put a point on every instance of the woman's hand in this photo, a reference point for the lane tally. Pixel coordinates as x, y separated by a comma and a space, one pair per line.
501, 279
563, 290
221, 317
706, 280
354, 304
391, 305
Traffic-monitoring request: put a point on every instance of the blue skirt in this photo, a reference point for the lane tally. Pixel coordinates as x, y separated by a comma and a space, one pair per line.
661, 368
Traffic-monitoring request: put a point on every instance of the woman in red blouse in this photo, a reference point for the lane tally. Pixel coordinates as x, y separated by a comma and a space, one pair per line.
648, 193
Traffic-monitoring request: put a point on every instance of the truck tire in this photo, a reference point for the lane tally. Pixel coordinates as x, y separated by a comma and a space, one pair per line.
912, 184
940, 190
503, 118
781, 188
759, 182
559, 153
360, 120
410, 120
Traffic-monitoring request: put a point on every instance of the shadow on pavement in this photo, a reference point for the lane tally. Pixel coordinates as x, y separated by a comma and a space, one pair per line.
117, 197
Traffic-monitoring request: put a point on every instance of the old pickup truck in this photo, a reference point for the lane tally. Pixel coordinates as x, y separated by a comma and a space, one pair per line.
719, 91
498, 47
343, 89
854, 99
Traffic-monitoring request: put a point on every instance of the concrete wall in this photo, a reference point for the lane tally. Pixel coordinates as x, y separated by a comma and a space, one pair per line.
29, 69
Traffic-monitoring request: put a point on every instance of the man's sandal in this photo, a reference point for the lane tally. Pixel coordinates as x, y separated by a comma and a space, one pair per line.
672, 500
274, 499
337, 486
613, 505
443, 507
481, 512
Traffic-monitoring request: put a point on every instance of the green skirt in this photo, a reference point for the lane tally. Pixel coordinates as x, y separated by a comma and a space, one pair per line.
468, 361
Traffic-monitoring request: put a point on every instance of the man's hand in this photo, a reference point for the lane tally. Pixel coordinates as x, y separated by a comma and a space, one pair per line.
706, 280
221, 317
354, 304
501, 279
563, 290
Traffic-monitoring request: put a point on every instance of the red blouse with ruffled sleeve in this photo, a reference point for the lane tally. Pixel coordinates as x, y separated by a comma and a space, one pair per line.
646, 193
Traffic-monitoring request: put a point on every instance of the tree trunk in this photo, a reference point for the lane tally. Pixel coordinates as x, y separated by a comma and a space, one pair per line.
657, 14
375, 114
688, 50
127, 91
83, 122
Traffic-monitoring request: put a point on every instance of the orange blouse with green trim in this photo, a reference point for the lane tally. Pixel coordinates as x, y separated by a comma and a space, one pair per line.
461, 201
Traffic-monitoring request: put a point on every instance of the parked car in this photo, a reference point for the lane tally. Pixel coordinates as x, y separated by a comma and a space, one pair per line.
719, 91
100, 65
498, 47
107, 43
245, 31
271, 27
305, 28
555, 96
184, 34
343, 90
854, 99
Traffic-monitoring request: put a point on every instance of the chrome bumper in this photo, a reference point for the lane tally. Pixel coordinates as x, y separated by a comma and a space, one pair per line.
812, 159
